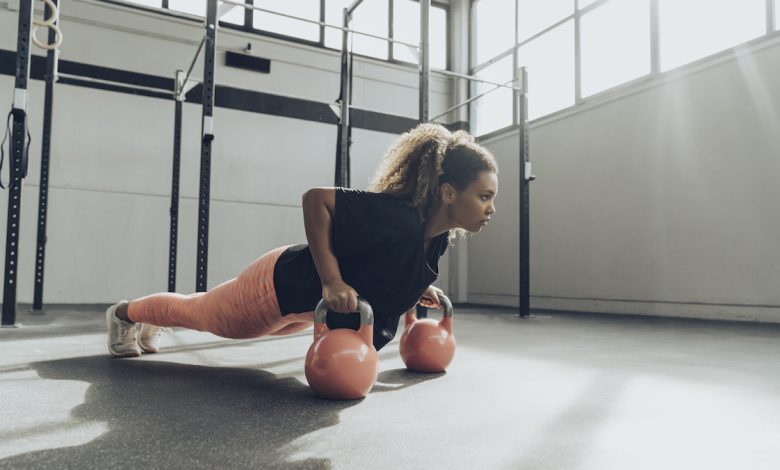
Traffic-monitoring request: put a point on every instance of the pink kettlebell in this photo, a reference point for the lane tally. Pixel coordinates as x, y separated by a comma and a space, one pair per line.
428, 345
342, 364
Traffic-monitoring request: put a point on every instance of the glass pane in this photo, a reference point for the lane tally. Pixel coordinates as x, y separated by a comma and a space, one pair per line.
334, 14
188, 6
309, 9
148, 3
777, 15
692, 29
585, 3
406, 28
494, 110
534, 16
494, 28
615, 44
234, 16
550, 62
371, 17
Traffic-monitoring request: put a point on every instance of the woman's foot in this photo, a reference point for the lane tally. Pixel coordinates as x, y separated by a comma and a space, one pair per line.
121, 333
149, 337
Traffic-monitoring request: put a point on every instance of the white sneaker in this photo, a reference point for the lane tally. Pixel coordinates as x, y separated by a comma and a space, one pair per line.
149, 337
121, 334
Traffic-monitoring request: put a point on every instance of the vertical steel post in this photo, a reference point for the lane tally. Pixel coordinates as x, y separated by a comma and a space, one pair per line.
344, 131
425, 68
175, 178
17, 159
201, 275
525, 179
43, 190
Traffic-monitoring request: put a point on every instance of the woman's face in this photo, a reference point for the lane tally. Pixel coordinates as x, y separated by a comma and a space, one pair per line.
471, 208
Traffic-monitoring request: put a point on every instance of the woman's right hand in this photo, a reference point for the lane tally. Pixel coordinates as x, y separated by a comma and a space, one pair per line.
340, 297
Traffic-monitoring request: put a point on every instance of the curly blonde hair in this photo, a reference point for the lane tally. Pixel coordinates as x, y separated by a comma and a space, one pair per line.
421, 160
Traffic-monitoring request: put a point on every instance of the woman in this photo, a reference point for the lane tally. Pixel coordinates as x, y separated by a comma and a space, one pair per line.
383, 244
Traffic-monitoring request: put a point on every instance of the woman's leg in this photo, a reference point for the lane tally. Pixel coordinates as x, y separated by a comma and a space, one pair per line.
243, 307
295, 322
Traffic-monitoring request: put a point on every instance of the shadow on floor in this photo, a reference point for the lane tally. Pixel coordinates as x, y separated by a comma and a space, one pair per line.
170, 415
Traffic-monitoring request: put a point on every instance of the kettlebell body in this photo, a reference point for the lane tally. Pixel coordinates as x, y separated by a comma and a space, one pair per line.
342, 364
428, 345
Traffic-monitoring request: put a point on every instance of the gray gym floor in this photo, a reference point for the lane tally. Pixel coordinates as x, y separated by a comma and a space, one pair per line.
561, 391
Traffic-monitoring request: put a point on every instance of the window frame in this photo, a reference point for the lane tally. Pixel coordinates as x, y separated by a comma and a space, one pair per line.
655, 74
248, 27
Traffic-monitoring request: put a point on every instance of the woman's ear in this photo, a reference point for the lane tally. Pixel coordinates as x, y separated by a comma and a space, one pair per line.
447, 192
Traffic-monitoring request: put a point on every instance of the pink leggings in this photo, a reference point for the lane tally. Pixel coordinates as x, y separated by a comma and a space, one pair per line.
243, 307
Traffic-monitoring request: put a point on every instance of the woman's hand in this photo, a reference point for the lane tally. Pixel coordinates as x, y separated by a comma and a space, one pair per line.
430, 297
340, 297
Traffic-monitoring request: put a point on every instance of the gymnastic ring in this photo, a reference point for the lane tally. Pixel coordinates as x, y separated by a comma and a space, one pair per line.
55, 14
53, 46
49, 23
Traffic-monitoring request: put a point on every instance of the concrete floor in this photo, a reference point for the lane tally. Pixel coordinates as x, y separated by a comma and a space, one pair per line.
561, 391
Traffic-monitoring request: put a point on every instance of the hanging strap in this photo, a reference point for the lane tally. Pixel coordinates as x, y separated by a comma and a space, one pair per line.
25, 151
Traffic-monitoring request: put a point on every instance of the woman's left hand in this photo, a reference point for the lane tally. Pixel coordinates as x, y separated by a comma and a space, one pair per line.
430, 297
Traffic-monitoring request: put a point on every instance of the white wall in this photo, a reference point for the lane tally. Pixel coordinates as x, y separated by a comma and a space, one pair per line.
663, 201
110, 171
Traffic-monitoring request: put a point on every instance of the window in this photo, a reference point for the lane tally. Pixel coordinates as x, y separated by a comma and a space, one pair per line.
188, 6
615, 44
309, 9
534, 16
692, 29
494, 110
234, 16
406, 28
494, 27
550, 62
777, 15
371, 17
586, 3
334, 14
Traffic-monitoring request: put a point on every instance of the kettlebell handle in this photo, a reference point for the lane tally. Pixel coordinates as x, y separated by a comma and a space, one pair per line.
366, 330
446, 306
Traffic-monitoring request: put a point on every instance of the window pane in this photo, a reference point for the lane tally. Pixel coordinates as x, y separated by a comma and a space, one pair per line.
615, 44
692, 29
234, 16
534, 16
371, 17
334, 14
188, 6
406, 28
777, 15
309, 9
585, 3
494, 28
550, 62
494, 110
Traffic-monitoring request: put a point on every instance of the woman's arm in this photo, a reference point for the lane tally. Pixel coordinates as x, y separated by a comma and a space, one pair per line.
319, 208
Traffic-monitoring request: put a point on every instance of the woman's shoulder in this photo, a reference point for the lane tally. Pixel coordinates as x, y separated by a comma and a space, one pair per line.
388, 207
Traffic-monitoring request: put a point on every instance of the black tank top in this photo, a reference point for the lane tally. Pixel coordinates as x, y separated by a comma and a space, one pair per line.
379, 244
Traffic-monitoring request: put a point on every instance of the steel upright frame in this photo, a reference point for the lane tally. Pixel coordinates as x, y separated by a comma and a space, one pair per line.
201, 273
17, 161
521, 98
43, 190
